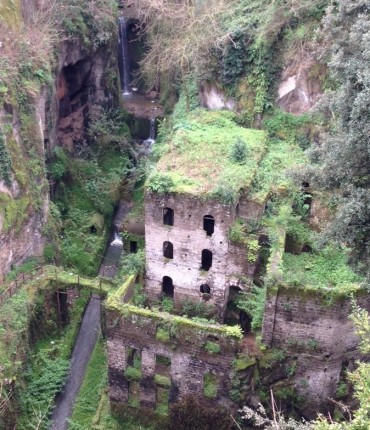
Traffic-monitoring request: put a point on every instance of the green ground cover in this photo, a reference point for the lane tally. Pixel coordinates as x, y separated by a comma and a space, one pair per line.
325, 269
202, 157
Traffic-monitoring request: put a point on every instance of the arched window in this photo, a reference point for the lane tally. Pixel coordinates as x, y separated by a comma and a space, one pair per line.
167, 286
167, 250
205, 289
168, 216
209, 224
206, 259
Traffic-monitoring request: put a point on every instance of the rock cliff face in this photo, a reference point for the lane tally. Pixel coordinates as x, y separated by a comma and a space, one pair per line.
37, 114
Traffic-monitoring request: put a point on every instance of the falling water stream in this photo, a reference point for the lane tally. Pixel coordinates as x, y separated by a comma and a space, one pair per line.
152, 134
123, 55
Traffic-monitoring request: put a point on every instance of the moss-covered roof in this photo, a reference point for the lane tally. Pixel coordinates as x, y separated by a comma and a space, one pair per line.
197, 159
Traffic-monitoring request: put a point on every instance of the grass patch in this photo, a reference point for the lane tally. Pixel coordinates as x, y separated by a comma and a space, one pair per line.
210, 386
327, 269
198, 157
88, 398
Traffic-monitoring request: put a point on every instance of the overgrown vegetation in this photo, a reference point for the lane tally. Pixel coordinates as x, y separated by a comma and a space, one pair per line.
327, 269
197, 157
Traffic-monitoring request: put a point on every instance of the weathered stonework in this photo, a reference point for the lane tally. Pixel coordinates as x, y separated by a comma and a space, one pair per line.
189, 239
189, 361
318, 334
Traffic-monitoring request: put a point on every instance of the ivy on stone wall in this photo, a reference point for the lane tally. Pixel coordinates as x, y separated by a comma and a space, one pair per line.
5, 162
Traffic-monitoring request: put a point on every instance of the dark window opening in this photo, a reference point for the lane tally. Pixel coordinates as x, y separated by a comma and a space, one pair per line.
209, 224
168, 250
167, 286
206, 259
162, 365
133, 358
93, 229
133, 246
168, 216
205, 289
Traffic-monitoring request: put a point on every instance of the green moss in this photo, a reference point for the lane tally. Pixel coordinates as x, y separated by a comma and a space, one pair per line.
210, 385
133, 374
243, 362
162, 381
13, 211
212, 347
162, 335
196, 159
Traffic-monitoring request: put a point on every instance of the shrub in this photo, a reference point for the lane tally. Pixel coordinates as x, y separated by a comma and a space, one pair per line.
167, 304
212, 347
160, 183
210, 386
5, 162
163, 381
197, 309
132, 374
239, 151
162, 335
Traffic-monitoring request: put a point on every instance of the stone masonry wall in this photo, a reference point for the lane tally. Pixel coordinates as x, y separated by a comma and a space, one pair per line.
189, 239
318, 334
189, 361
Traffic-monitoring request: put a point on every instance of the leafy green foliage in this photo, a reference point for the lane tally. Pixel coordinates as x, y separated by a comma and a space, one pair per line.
341, 162
327, 268
239, 151
160, 183
92, 21
132, 373
191, 309
132, 264
59, 163
253, 304
5, 162
95, 380
163, 381
210, 385
212, 347
195, 156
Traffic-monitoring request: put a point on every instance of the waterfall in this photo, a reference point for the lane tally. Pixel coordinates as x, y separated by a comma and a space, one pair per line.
124, 58
117, 241
152, 133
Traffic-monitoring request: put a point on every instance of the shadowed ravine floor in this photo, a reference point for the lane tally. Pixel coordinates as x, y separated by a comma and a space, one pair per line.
85, 343
88, 333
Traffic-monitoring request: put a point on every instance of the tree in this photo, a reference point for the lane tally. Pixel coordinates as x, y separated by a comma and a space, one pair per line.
341, 162
180, 35
360, 420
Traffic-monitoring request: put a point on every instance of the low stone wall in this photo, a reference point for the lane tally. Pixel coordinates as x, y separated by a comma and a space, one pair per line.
185, 348
315, 329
